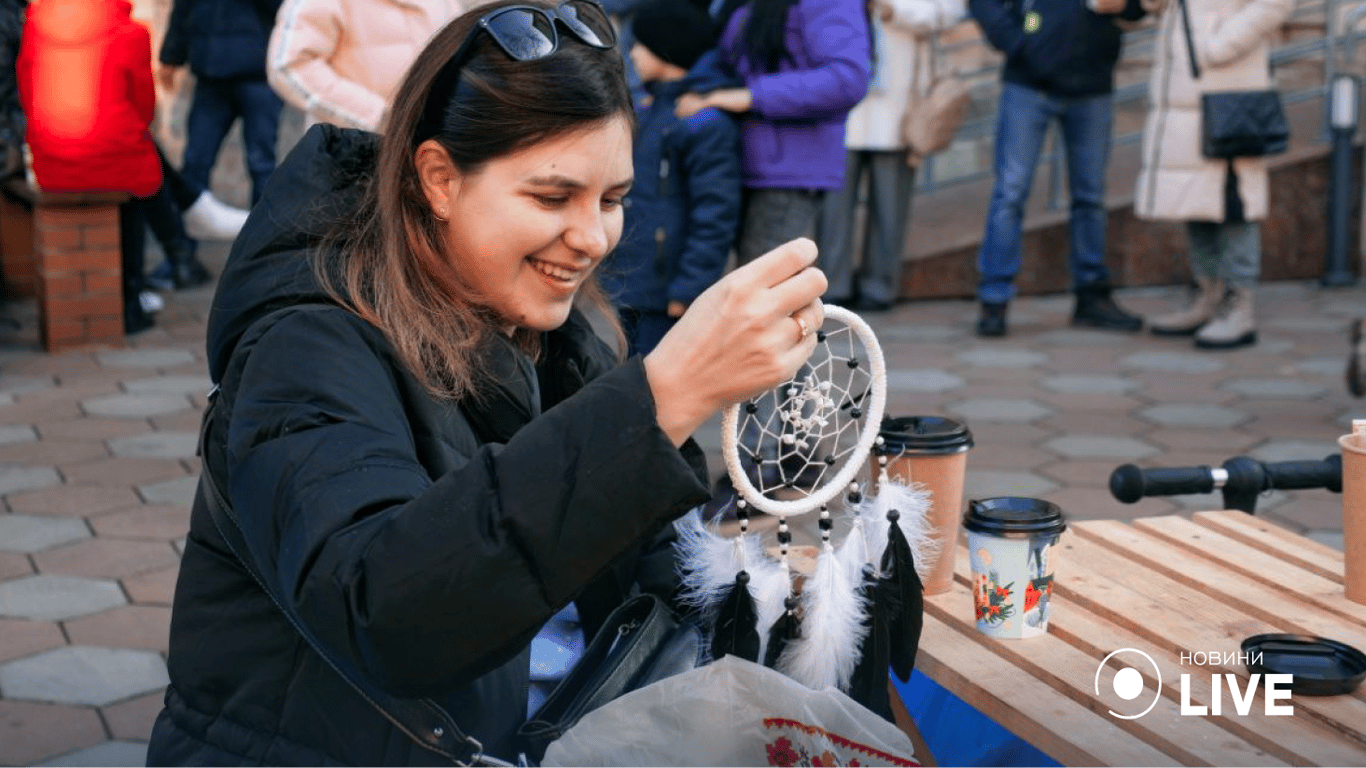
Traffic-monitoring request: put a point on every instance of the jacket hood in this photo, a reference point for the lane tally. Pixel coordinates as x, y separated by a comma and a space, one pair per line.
270, 264
77, 22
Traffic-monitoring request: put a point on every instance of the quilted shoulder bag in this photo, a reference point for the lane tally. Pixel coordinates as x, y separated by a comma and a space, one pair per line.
934, 114
1237, 123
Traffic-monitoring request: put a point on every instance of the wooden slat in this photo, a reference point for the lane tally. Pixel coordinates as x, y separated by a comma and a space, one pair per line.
1255, 564
1036, 713
1133, 595
1194, 622
1275, 540
1071, 672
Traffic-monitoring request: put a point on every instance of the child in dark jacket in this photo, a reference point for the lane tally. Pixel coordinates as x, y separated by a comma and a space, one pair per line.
683, 211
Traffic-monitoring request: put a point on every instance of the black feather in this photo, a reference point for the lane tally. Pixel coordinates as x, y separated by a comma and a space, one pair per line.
783, 631
898, 568
737, 623
868, 686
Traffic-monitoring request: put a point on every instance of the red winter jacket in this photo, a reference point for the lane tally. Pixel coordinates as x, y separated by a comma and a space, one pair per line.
85, 80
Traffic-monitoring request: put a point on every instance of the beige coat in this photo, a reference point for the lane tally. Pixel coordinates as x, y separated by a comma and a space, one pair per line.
341, 60
1232, 43
902, 47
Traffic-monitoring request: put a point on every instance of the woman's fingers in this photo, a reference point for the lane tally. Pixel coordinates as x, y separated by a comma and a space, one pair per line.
779, 264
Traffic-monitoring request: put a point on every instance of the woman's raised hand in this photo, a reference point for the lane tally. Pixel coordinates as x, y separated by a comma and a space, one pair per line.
749, 332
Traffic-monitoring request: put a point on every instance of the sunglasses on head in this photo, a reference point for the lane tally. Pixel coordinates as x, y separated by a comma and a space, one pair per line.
525, 33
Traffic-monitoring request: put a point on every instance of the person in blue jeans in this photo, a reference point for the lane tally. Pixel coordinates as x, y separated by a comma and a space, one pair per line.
684, 209
224, 43
1060, 62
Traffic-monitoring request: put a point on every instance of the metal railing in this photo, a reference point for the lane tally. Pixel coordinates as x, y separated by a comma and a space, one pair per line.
969, 158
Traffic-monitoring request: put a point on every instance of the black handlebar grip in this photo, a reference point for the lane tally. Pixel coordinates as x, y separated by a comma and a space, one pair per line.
1128, 483
1289, 475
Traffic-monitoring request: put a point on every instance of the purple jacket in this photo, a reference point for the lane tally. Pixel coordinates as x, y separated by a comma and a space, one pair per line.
793, 136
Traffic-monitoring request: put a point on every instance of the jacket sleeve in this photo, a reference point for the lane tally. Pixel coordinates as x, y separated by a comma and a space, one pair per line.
1240, 33
427, 583
1000, 26
835, 36
712, 169
298, 66
175, 45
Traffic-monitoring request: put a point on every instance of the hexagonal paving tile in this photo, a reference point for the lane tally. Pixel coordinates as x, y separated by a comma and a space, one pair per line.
144, 358
141, 627
1321, 366
1195, 415
79, 674
1003, 358
922, 380
105, 558
179, 492
1175, 362
985, 484
1333, 539
1072, 338
31, 732
1088, 385
913, 332
73, 500
16, 434
1311, 324
135, 405
57, 597
1000, 410
31, 533
110, 753
1091, 446
170, 385
1288, 389
156, 445
18, 478
1294, 450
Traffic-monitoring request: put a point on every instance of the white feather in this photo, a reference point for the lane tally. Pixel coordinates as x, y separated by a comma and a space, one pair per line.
912, 504
707, 561
832, 629
853, 553
770, 582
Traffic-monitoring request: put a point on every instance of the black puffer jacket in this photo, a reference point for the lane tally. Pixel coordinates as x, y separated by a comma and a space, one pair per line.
424, 542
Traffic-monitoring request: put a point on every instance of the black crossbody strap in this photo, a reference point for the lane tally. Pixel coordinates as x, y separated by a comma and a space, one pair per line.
1190, 39
421, 720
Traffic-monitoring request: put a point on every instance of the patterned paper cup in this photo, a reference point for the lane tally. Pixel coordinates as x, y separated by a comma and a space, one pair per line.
1011, 542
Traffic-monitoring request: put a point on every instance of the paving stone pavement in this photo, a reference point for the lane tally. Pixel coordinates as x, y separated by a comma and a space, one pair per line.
97, 466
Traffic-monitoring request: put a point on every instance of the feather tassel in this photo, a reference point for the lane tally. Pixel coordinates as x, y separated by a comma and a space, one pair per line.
735, 631
784, 631
869, 683
906, 594
912, 503
771, 584
832, 622
707, 562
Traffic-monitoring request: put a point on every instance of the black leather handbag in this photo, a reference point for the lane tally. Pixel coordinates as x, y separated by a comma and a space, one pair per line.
1237, 123
640, 643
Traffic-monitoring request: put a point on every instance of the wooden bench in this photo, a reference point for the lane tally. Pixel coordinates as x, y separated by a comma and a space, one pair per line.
63, 248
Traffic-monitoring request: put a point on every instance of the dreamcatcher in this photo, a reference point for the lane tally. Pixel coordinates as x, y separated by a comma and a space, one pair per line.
792, 451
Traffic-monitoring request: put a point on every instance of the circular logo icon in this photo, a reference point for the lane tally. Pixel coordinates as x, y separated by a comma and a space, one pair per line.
1125, 681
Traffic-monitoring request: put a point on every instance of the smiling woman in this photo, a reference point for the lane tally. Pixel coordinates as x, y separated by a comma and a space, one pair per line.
421, 461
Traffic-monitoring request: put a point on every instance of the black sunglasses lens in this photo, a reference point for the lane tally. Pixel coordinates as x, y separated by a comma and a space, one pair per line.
523, 33
589, 23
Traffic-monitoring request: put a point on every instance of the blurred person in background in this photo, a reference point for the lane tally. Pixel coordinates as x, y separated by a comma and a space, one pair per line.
340, 60
1060, 58
878, 152
1222, 202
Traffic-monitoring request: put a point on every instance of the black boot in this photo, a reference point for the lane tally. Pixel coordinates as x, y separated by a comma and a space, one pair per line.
1096, 309
992, 321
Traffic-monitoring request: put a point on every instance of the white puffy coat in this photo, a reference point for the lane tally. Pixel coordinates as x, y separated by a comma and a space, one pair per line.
1232, 45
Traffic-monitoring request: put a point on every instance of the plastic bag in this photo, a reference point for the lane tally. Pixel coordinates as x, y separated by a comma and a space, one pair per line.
731, 712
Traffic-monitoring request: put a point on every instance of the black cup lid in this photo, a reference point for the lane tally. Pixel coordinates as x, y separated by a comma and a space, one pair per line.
1014, 517
922, 434
1321, 667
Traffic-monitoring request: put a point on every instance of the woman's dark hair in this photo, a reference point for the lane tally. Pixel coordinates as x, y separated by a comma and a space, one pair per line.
764, 38
389, 264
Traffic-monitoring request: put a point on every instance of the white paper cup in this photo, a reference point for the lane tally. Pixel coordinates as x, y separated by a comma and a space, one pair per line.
1011, 544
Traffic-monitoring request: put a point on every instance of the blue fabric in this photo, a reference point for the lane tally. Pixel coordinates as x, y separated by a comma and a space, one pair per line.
1022, 124
684, 209
220, 38
793, 135
217, 103
554, 651
1064, 48
958, 734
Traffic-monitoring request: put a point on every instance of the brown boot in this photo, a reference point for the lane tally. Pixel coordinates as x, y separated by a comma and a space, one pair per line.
1184, 322
1233, 325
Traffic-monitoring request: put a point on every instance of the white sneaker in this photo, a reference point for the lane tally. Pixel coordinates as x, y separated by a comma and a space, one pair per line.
212, 219
151, 302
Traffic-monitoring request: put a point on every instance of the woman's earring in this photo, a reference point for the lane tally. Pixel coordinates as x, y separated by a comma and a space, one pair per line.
441, 214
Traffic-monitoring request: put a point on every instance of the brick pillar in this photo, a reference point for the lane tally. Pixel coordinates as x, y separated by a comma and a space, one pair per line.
80, 293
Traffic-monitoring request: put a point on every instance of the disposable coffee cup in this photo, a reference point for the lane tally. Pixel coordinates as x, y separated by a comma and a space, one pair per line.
933, 451
1354, 511
1012, 542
